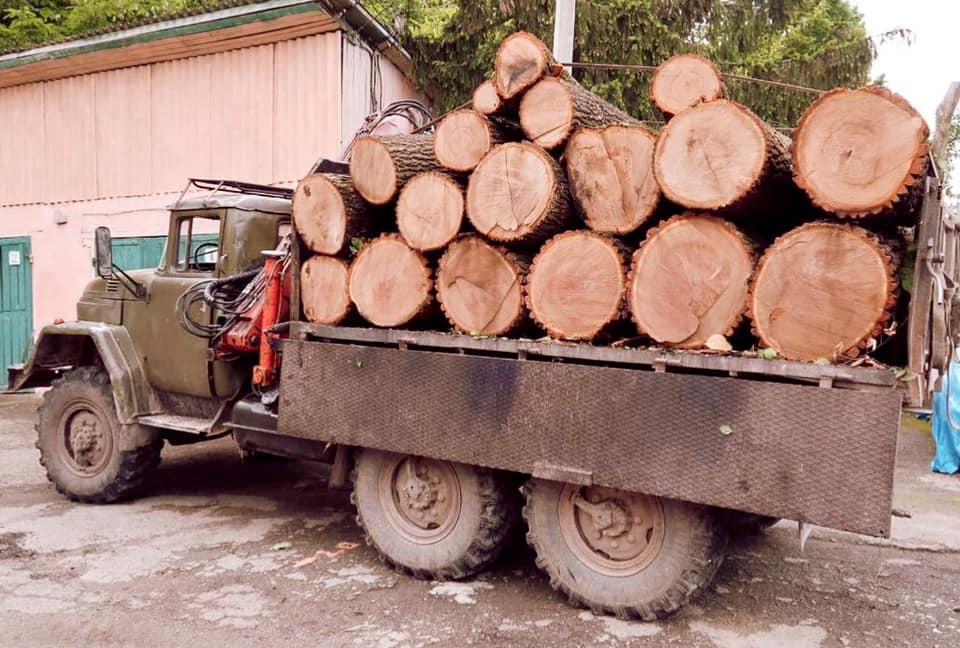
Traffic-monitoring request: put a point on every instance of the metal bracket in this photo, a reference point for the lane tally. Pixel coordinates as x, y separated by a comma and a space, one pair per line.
568, 474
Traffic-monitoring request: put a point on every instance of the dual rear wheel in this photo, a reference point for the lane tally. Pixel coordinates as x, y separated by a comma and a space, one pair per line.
628, 554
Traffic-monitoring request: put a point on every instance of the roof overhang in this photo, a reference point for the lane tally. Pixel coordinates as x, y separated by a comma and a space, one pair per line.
207, 33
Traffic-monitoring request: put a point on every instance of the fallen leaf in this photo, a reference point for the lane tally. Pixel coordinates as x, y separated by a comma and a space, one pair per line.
726, 430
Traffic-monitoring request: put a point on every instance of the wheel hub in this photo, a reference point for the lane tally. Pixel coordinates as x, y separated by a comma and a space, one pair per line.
87, 439
614, 531
421, 497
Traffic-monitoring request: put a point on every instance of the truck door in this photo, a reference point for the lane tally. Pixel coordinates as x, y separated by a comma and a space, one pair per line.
176, 360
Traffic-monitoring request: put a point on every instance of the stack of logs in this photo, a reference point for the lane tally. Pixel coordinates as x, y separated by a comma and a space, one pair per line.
545, 209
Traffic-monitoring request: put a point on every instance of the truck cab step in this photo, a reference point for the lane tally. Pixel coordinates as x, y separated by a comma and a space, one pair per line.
188, 424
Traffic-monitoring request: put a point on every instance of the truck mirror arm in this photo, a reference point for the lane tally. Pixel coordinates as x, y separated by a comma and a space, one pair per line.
129, 282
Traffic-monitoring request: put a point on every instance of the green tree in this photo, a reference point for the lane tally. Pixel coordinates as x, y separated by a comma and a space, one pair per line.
812, 43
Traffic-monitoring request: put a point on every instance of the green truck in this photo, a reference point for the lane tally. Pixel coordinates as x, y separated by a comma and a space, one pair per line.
628, 467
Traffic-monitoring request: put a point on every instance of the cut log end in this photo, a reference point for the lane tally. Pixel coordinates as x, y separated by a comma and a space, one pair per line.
690, 280
319, 214
373, 171
521, 60
323, 290
389, 282
683, 81
546, 113
711, 155
514, 195
480, 288
611, 177
486, 101
575, 286
822, 291
462, 139
430, 211
856, 152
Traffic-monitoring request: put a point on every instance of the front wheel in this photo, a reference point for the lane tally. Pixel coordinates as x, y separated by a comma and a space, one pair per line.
632, 555
80, 440
433, 519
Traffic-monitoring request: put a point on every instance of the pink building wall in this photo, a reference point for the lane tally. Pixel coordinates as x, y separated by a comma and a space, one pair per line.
115, 147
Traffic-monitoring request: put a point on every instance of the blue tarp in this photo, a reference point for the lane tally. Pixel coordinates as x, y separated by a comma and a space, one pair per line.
947, 458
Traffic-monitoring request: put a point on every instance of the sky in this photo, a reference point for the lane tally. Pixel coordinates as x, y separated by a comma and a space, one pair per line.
921, 71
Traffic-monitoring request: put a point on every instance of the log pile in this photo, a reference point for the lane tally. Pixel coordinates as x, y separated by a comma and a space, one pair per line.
545, 210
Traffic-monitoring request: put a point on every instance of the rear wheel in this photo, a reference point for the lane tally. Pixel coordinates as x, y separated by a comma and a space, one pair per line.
433, 519
615, 552
80, 440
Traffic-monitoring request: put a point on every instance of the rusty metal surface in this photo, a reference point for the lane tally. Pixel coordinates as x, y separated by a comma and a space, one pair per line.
735, 365
825, 456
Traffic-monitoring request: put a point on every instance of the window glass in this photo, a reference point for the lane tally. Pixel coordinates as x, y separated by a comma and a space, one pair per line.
198, 243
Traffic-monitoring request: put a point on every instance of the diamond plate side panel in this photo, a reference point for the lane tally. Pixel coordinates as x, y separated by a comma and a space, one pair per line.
824, 456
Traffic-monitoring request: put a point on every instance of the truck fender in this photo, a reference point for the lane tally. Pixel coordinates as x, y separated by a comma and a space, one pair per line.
75, 344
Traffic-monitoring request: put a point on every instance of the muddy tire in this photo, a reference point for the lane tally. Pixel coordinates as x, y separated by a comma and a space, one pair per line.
80, 440
631, 555
432, 519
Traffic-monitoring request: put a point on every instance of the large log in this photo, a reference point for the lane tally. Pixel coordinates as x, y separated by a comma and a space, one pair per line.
522, 59
576, 284
328, 213
719, 155
390, 283
683, 81
823, 290
556, 106
323, 290
518, 194
480, 287
690, 280
430, 211
380, 166
610, 172
463, 137
861, 152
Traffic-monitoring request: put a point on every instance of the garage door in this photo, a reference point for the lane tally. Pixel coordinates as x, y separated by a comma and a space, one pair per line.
139, 252
16, 302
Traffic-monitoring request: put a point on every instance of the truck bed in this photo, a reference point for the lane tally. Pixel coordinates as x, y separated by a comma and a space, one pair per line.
788, 439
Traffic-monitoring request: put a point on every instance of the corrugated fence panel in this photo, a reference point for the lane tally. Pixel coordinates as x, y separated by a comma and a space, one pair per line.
180, 121
356, 100
395, 85
306, 105
123, 131
241, 122
70, 168
21, 153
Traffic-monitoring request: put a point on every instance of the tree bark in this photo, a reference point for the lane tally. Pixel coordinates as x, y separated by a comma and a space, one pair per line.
720, 156
610, 172
690, 280
556, 106
380, 166
522, 59
518, 194
390, 283
480, 287
576, 284
430, 210
323, 290
328, 213
861, 152
683, 81
463, 137
823, 290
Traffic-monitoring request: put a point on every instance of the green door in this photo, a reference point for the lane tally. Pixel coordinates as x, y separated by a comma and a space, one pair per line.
16, 301
137, 253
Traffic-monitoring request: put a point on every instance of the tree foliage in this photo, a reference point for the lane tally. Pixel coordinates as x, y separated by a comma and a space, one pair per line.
812, 43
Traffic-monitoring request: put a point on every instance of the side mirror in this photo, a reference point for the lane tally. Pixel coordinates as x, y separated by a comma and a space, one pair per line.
104, 252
